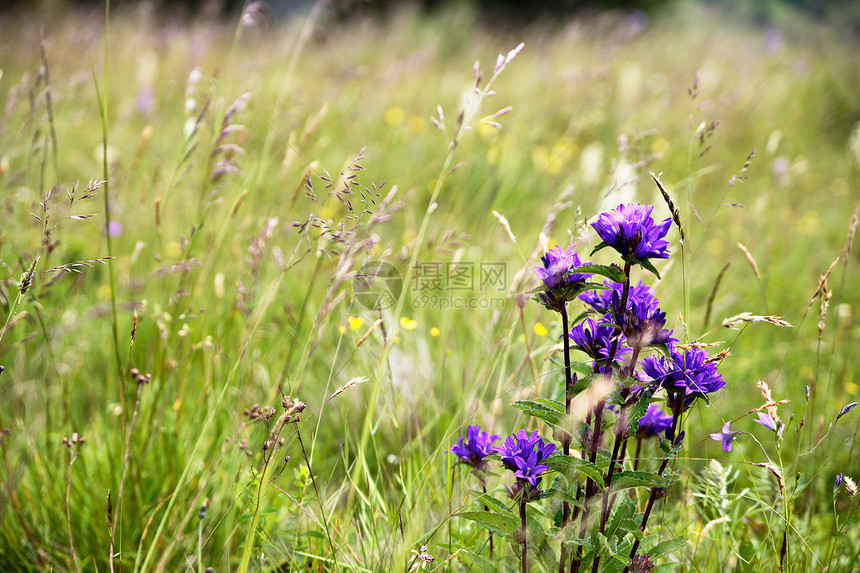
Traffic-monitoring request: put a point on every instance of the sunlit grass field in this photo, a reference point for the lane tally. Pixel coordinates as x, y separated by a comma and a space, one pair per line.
243, 174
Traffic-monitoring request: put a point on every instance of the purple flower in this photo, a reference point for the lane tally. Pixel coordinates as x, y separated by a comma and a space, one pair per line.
115, 228
846, 409
478, 445
686, 371
766, 421
654, 422
596, 338
556, 267
601, 300
642, 321
838, 483
561, 284
641, 564
522, 453
726, 436
630, 230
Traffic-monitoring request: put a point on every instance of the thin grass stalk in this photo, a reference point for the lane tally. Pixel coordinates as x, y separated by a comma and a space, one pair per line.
468, 115
319, 497
49, 106
200, 542
304, 37
125, 458
255, 516
265, 302
49, 348
101, 96
72, 457
618, 449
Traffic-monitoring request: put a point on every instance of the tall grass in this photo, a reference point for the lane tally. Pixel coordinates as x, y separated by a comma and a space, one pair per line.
238, 224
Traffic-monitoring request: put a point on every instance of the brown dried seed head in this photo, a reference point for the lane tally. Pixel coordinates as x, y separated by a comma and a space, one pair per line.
850, 486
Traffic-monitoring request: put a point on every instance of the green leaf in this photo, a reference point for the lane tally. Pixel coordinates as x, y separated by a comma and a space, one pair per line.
558, 493
615, 563
629, 478
667, 547
479, 560
495, 522
534, 529
606, 545
637, 411
602, 245
550, 411
580, 317
494, 504
646, 264
565, 464
545, 554
612, 272
622, 517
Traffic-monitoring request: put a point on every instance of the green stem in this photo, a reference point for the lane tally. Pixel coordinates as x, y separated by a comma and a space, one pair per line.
319, 497
249, 540
102, 97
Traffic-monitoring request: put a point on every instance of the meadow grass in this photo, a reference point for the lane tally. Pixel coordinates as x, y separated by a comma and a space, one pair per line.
251, 171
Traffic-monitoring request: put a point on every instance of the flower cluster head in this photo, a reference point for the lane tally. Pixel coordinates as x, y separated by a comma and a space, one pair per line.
601, 300
596, 339
477, 446
522, 453
630, 230
654, 422
561, 285
687, 371
641, 320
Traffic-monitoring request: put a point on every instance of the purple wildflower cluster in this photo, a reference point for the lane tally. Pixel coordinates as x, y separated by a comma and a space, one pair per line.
601, 300
596, 340
641, 320
522, 453
654, 423
630, 230
476, 446
687, 371
629, 323
624, 319
561, 284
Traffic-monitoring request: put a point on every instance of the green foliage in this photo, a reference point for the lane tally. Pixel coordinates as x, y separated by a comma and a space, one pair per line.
550, 411
233, 306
